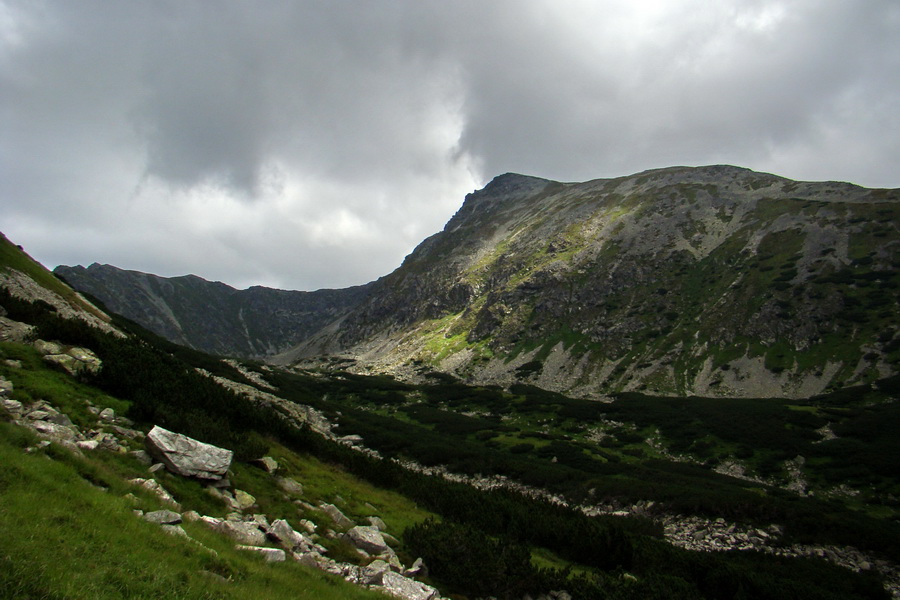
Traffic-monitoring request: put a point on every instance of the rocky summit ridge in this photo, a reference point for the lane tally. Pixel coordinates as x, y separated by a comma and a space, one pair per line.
713, 280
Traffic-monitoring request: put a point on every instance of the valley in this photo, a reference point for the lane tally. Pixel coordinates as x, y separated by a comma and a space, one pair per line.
677, 384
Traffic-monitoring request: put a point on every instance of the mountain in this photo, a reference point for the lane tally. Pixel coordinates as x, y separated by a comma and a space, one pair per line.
211, 316
503, 492
713, 280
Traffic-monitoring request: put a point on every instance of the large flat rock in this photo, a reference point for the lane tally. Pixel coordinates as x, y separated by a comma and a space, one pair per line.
186, 456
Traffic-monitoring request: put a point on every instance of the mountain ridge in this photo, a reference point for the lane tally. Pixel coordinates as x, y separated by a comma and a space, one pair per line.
712, 280
212, 316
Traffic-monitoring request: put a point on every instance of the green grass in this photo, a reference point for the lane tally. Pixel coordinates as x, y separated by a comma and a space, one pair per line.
64, 538
36, 381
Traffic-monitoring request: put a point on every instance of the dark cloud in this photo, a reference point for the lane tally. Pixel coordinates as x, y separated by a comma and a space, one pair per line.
311, 144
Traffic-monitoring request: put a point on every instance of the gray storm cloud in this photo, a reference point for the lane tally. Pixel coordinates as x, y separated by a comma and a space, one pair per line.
314, 144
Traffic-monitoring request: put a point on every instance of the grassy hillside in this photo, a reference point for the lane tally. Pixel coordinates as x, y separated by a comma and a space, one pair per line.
69, 533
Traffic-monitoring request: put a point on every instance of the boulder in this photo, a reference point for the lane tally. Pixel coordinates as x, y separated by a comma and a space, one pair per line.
163, 517
46, 348
14, 407
60, 433
408, 589
154, 486
248, 534
175, 530
377, 523
284, 534
267, 464
367, 539
339, 518
243, 499
373, 573
73, 365
186, 456
89, 361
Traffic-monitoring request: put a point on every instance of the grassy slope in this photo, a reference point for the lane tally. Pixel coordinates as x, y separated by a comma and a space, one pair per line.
91, 546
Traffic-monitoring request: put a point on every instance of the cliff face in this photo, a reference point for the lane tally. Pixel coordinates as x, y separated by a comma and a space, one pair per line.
712, 280
212, 316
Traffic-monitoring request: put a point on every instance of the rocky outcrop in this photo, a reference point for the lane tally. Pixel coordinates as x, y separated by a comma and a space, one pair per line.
409, 589
75, 306
186, 456
73, 361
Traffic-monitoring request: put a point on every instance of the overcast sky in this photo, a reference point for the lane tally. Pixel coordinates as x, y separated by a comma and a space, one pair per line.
307, 144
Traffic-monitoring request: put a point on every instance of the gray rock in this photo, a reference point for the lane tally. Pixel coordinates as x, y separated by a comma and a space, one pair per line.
377, 523
339, 518
291, 486
270, 554
163, 517
6, 387
175, 530
243, 499
46, 348
373, 573
107, 414
244, 533
67, 363
87, 359
186, 456
88, 444
14, 331
368, 539
267, 464
407, 589
284, 534
14, 407
418, 569
309, 526
261, 520
156, 488
56, 432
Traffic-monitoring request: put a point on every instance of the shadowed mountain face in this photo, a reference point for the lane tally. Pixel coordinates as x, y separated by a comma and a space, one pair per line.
711, 280
212, 316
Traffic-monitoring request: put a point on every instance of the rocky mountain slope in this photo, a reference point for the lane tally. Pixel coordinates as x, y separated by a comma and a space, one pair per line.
714, 280
212, 316
64, 439
710, 281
